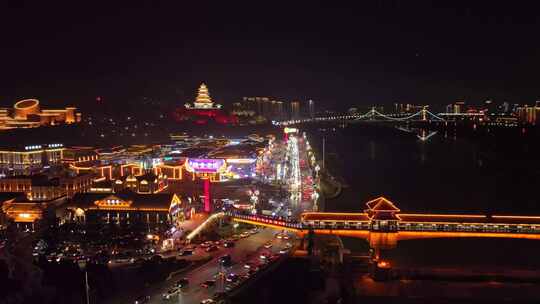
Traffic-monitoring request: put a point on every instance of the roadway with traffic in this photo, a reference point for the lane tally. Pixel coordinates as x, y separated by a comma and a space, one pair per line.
246, 250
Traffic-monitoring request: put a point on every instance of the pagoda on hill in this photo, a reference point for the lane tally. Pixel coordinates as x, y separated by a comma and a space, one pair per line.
203, 110
203, 100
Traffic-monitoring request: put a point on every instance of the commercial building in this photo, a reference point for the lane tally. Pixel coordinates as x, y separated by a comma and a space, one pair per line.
27, 113
529, 114
259, 108
128, 207
295, 109
24, 159
311, 108
25, 214
459, 107
42, 187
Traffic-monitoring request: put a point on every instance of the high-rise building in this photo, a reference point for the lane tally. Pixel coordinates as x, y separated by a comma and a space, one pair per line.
311, 108
506, 107
295, 109
279, 110
265, 107
459, 107
528, 114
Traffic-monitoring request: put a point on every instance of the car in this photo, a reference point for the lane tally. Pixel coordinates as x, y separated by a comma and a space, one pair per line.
142, 299
279, 236
268, 245
244, 277
284, 251
208, 283
211, 248
207, 301
182, 283
207, 244
249, 265
232, 277
186, 252
225, 260
138, 261
244, 235
219, 295
286, 237
273, 257
170, 293
263, 256
228, 244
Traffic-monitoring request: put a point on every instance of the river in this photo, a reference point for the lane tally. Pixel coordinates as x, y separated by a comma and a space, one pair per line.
455, 171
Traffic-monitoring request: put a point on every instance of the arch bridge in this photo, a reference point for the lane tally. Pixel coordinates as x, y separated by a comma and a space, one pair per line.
373, 115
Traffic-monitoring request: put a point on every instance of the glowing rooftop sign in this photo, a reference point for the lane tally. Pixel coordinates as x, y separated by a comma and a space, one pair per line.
205, 165
290, 130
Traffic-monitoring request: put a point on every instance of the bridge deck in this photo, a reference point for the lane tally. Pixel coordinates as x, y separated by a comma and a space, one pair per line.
407, 223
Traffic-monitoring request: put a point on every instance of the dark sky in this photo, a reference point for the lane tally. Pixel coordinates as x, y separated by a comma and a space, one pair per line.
339, 55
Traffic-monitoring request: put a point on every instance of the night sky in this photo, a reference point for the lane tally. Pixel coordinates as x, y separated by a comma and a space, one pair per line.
376, 52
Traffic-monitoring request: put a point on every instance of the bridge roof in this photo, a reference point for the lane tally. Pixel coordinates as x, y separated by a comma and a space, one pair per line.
328, 216
463, 218
385, 216
381, 204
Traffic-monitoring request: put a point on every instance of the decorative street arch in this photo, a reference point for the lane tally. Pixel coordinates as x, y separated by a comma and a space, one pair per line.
207, 169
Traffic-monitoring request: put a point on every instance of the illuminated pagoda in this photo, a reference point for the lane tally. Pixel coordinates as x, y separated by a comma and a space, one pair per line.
203, 110
203, 100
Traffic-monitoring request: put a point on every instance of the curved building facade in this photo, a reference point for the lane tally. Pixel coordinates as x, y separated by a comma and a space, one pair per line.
27, 113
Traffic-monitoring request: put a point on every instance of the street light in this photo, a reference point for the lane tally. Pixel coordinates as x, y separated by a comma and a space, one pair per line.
82, 266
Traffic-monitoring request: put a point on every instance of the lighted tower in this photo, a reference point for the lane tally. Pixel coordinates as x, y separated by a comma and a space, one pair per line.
203, 100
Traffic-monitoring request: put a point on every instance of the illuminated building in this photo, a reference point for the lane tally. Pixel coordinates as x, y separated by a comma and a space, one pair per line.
295, 110
148, 183
311, 108
241, 159
127, 207
27, 214
528, 114
27, 113
41, 187
459, 107
24, 159
259, 109
204, 110
78, 155
203, 100
170, 171
108, 154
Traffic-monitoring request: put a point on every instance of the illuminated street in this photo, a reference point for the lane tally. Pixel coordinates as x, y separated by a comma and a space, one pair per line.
245, 250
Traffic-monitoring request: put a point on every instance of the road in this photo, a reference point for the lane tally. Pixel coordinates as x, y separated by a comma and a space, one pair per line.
247, 249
